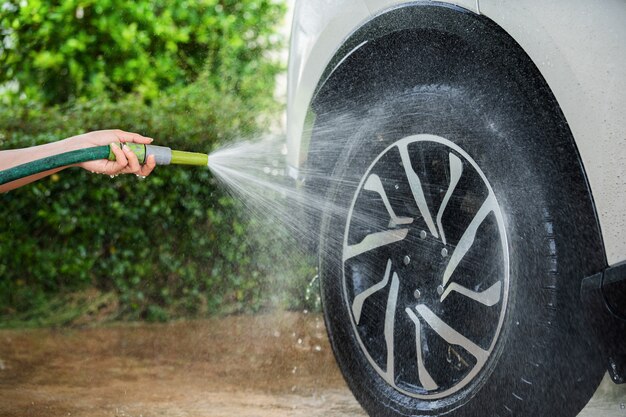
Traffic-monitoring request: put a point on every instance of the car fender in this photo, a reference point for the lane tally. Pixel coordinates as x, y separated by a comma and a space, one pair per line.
584, 67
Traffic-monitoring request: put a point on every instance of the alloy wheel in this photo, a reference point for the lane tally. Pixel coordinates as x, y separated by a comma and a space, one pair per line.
426, 267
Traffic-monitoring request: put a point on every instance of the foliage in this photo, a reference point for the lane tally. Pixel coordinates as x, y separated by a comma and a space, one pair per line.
64, 49
171, 245
78, 308
174, 244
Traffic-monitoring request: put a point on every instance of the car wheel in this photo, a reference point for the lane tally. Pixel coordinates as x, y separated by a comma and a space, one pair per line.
451, 256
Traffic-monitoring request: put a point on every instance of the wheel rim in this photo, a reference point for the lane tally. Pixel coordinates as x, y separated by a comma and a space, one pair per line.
426, 288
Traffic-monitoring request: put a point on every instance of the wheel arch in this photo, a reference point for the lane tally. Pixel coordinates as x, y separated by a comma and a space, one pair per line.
380, 58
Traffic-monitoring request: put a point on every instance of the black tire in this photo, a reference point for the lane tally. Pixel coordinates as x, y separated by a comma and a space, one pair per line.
541, 361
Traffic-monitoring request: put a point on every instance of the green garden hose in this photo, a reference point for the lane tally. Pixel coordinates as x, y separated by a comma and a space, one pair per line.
162, 155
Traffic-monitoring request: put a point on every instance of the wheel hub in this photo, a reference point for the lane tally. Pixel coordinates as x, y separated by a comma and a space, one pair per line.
426, 267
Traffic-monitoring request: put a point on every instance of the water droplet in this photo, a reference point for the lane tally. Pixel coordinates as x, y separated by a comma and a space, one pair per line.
406, 260
423, 234
444, 252
440, 289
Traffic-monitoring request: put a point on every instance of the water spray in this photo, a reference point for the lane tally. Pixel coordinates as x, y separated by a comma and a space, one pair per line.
162, 155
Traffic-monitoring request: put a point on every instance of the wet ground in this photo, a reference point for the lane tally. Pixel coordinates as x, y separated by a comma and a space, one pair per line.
267, 365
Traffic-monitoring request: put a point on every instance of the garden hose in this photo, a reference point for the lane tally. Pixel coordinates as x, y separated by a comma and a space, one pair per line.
162, 155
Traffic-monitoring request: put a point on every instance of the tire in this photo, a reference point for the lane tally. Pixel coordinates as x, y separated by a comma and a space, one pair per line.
488, 323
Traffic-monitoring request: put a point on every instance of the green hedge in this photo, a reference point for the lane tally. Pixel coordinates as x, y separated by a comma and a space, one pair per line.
174, 244
61, 50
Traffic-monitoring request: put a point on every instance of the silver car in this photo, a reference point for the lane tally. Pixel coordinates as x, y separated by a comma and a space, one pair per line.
469, 158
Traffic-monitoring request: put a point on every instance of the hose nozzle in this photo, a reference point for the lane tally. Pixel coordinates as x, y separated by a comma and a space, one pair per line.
164, 155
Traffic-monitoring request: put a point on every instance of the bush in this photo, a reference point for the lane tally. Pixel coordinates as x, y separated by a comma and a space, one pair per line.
65, 49
174, 244
173, 240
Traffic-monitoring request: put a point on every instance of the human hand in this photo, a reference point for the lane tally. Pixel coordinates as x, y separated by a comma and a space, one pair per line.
126, 161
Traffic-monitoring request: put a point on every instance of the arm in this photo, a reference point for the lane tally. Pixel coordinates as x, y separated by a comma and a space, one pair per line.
126, 161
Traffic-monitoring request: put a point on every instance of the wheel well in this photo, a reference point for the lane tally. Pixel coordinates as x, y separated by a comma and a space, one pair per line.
421, 43
430, 43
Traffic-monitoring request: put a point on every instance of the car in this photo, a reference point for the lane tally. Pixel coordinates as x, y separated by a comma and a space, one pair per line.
467, 163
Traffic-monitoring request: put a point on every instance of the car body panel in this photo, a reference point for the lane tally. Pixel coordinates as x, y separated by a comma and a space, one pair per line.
579, 50
318, 29
577, 47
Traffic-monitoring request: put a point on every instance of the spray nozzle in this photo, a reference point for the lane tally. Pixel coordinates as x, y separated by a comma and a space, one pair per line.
164, 155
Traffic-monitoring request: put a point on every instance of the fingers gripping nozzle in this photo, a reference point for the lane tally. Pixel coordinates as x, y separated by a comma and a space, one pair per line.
164, 155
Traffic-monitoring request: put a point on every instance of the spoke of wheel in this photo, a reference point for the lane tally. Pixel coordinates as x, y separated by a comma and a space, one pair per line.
374, 184
357, 305
450, 335
489, 297
425, 379
456, 169
373, 241
390, 318
468, 237
416, 189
